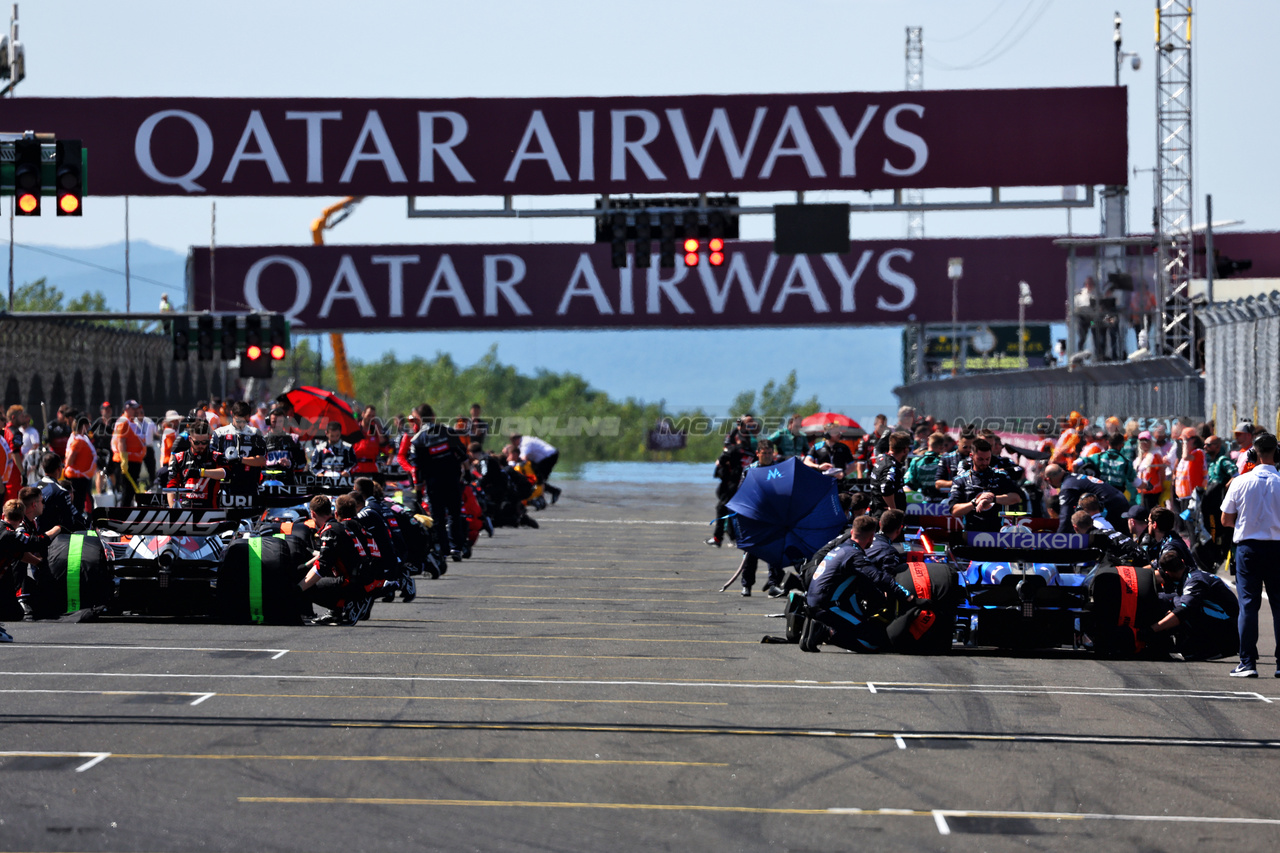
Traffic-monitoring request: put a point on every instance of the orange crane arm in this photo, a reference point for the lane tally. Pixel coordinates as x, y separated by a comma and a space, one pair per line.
331, 216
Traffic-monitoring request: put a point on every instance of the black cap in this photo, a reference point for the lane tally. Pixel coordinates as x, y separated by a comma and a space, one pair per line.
1141, 513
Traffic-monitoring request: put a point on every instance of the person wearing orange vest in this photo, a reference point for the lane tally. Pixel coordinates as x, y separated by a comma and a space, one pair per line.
1189, 475
1068, 446
13, 435
1149, 467
81, 464
128, 451
1244, 439
8, 467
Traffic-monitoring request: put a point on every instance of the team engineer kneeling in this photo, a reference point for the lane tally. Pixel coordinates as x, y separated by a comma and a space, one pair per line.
848, 593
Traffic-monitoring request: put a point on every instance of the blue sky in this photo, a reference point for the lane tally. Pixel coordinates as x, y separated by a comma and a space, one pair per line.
559, 48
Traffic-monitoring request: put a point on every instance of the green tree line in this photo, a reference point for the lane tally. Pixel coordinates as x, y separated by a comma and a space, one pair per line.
601, 428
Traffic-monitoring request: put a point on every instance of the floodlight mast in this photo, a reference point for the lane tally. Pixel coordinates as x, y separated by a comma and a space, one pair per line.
1175, 331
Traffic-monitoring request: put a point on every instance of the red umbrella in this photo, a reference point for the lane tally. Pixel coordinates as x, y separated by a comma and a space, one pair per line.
316, 407
816, 424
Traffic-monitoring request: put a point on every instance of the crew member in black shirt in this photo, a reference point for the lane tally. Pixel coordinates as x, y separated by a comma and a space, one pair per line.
978, 493
438, 457
889, 474
59, 507
1202, 621
1071, 487
830, 453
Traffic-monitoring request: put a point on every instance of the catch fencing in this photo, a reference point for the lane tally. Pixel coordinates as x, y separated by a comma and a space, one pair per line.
1242, 360
1157, 388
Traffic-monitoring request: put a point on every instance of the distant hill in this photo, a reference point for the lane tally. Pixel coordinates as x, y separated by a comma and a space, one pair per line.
850, 370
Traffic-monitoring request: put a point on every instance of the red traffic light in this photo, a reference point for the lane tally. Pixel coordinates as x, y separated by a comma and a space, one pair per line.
68, 204
691, 259
254, 352
715, 244
29, 203
277, 352
716, 258
691, 245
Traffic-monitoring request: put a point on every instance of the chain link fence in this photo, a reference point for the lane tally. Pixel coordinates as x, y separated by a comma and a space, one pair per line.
1242, 360
1152, 388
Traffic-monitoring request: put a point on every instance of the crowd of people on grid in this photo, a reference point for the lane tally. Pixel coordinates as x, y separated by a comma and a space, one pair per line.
1175, 496
222, 452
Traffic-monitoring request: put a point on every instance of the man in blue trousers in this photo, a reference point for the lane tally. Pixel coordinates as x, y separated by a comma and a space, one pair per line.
1252, 508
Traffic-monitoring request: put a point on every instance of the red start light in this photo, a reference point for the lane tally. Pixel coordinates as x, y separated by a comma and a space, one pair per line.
277, 352
69, 203
716, 244
691, 259
28, 202
691, 245
716, 258
254, 352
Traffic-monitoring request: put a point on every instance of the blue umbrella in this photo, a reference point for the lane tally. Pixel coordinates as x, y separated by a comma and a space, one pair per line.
784, 513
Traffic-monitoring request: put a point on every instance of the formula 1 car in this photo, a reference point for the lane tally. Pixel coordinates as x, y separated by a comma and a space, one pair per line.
176, 562
1026, 589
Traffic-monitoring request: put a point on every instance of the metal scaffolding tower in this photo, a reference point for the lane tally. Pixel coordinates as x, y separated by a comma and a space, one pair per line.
915, 82
1174, 198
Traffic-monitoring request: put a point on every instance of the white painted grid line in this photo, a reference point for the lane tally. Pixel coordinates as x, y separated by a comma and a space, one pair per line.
203, 697
941, 821
97, 759
902, 744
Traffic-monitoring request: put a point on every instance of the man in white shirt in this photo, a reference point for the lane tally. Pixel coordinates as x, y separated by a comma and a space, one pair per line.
542, 457
1252, 507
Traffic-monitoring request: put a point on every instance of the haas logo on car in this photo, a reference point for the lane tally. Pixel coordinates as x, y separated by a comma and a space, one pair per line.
1020, 537
160, 522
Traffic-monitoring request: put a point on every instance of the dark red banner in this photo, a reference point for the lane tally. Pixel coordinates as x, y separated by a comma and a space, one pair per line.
552, 285
564, 146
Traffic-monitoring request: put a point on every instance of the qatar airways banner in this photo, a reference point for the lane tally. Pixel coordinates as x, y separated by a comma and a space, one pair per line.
550, 286
541, 146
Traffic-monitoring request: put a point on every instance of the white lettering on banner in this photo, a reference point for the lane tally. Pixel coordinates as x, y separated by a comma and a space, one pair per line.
448, 274
301, 286
383, 152
626, 300
585, 273
719, 126
204, 150
587, 145
315, 139
429, 149
846, 280
354, 290
256, 129
493, 285
893, 278
395, 280
848, 143
635, 147
547, 150
793, 126
738, 271
911, 141
658, 286
802, 271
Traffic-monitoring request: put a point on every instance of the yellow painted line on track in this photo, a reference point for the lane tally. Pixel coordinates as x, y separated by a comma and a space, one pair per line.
599, 639
613, 588
410, 759
393, 801
589, 610
939, 816
466, 699
535, 622
491, 655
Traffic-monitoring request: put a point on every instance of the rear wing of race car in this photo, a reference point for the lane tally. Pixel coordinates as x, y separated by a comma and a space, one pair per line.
150, 521
1019, 545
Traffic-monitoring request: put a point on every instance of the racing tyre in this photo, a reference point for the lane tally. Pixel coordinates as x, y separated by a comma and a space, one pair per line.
927, 632
75, 576
257, 583
1119, 606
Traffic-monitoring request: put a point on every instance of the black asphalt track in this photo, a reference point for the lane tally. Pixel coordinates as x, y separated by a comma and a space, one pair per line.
584, 687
